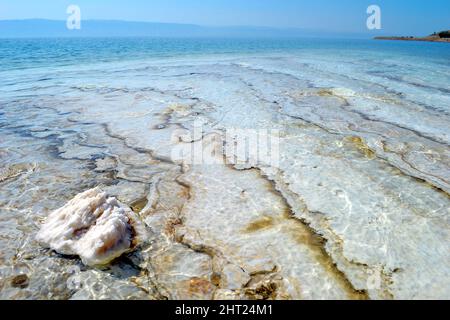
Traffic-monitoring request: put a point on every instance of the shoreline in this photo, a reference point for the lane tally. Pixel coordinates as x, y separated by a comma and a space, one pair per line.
425, 39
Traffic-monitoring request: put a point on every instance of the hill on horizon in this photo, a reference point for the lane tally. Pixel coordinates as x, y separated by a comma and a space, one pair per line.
30, 28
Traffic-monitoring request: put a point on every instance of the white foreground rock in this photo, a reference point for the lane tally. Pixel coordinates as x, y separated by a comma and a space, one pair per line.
92, 225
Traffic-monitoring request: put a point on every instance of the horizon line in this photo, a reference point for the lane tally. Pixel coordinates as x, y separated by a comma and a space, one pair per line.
279, 28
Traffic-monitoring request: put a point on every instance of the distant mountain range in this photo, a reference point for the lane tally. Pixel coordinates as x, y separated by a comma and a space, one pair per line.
33, 28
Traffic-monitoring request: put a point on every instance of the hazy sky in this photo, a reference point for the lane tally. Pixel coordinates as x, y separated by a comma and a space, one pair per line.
398, 16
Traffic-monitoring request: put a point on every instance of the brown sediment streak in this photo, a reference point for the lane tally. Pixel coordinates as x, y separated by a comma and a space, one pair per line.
303, 233
261, 224
337, 243
186, 187
359, 143
139, 204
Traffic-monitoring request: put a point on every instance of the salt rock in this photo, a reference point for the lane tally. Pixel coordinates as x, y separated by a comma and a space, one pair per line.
93, 226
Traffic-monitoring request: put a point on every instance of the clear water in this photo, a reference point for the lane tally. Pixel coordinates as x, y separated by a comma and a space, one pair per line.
33, 53
371, 116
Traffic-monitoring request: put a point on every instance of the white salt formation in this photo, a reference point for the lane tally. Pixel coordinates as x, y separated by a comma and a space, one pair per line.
93, 226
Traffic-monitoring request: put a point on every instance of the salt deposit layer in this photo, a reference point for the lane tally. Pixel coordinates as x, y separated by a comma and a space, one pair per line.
356, 208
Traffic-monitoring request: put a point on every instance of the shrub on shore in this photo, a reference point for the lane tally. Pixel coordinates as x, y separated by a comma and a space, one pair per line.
444, 34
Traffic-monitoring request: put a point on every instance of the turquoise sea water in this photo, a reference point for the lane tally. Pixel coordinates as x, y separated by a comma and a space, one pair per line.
41, 61
27, 53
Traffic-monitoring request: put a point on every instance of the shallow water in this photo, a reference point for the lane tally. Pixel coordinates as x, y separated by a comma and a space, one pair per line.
357, 206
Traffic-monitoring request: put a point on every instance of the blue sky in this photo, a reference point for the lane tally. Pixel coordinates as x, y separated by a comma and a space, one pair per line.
398, 16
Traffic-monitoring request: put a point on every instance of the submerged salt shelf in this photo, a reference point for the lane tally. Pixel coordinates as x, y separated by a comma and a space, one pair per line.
357, 207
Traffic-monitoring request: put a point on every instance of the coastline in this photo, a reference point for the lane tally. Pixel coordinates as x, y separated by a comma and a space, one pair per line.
424, 39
